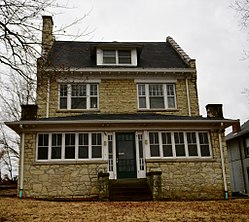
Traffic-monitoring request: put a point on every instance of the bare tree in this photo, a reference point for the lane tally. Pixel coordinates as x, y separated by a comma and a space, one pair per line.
20, 32
242, 8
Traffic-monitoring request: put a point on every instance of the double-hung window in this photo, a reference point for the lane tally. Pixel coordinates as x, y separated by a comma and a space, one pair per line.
179, 144
69, 146
78, 96
156, 96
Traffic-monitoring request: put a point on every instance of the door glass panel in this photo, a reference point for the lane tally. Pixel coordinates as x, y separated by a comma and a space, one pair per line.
126, 163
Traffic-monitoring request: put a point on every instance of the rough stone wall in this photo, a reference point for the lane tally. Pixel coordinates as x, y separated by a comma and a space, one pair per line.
192, 179
116, 96
63, 180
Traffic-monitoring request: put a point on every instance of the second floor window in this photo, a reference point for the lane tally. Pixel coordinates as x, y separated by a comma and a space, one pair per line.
78, 96
156, 96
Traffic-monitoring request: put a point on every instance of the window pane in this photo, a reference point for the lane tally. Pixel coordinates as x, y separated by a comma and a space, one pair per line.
141, 90
124, 57
56, 146
204, 144
192, 145
96, 152
78, 103
154, 145
63, 103
63, 96
156, 102
171, 102
93, 89
179, 144
142, 102
94, 102
167, 145
70, 146
156, 96
96, 145
83, 145
109, 57
42, 153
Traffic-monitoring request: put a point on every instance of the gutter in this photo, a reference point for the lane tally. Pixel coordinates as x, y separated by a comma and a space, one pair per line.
49, 122
188, 97
116, 69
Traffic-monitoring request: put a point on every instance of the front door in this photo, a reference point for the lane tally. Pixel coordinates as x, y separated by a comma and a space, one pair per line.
126, 155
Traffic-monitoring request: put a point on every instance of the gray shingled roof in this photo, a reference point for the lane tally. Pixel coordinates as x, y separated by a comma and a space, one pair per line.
135, 116
80, 54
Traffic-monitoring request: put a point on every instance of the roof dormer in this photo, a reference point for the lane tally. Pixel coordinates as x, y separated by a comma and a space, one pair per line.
117, 54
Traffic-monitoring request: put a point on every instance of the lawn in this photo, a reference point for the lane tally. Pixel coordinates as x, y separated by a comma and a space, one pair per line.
14, 209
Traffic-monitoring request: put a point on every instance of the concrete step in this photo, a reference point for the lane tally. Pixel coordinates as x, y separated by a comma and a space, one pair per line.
129, 190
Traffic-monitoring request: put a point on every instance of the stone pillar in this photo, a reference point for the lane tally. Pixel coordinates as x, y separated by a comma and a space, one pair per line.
103, 179
155, 183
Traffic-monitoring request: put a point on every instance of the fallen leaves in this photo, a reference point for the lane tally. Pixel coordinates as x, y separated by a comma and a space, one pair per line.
14, 209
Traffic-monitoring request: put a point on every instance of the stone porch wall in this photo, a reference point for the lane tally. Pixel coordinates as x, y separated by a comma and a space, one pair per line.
192, 179
61, 180
116, 96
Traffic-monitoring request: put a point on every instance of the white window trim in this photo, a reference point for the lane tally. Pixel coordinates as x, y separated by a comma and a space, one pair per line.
99, 55
69, 92
165, 96
76, 147
148, 154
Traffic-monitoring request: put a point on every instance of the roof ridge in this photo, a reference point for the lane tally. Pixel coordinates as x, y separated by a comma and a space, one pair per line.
186, 58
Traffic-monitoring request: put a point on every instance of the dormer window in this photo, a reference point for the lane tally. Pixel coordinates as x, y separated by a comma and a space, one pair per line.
117, 57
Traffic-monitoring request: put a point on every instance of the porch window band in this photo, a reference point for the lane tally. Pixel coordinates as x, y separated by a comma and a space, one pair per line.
69, 146
179, 144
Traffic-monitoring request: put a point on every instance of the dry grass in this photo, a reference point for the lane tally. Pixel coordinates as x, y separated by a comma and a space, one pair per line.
14, 209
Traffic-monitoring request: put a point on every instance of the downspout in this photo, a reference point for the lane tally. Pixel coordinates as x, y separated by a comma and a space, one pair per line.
22, 166
188, 97
48, 98
223, 167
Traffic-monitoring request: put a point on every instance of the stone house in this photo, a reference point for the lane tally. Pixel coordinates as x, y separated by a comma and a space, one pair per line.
238, 158
108, 111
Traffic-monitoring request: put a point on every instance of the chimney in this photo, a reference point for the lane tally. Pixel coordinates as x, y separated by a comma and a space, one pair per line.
214, 111
236, 127
47, 34
29, 112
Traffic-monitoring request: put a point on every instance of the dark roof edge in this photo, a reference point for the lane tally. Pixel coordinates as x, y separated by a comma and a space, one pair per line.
185, 57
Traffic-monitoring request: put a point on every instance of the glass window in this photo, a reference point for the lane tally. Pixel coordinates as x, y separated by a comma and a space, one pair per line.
96, 145
56, 146
124, 57
179, 144
83, 146
204, 144
79, 96
63, 96
192, 144
109, 57
156, 96
154, 145
70, 146
167, 145
42, 147
110, 153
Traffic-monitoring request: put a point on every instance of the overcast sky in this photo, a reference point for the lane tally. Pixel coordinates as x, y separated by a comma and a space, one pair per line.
208, 31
